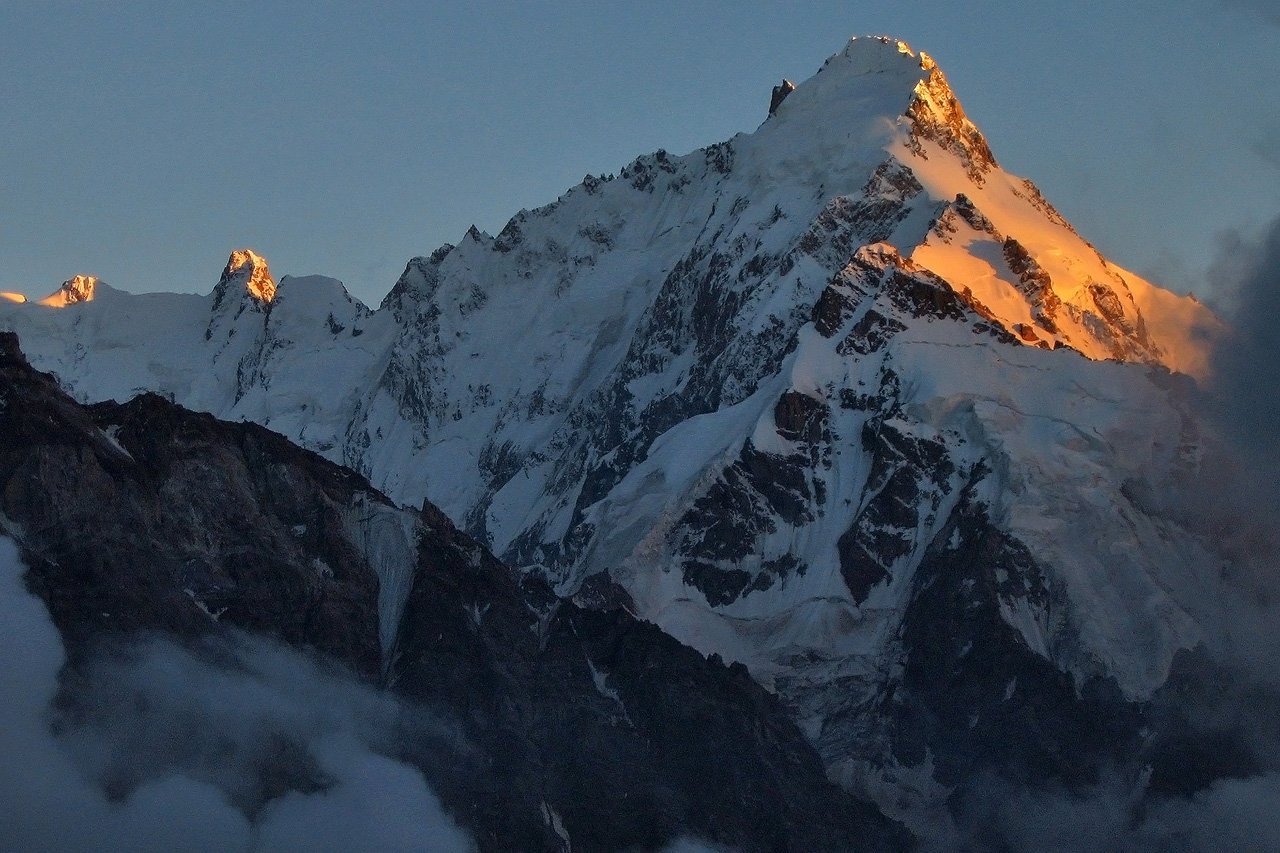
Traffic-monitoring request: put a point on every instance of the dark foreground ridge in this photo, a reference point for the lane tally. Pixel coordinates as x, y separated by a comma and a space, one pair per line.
144, 518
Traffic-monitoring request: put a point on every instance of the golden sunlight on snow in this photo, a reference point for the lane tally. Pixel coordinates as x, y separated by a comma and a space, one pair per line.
260, 284
73, 291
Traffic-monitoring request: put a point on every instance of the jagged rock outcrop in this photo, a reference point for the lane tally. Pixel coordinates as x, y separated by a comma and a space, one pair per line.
779, 94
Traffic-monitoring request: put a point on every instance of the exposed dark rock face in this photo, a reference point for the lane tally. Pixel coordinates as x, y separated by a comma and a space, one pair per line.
972, 701
975, 696
630, 738
780, 92
1035, 283
800, 418
869, 334
148, 516
580, 721
721, 531
909, 477
1208, 724
849, 222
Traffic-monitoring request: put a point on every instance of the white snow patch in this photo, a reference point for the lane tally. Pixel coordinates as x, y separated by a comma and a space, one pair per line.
552, 819
388, 539
213, 615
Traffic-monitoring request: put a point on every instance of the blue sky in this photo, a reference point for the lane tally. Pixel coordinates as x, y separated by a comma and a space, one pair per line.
141, 142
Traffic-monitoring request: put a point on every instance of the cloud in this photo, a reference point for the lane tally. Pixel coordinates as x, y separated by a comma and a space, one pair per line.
164, 750
1232, 814
1234, 500
45, 803
1239, 496
379, 804
1246, 364
1170, 270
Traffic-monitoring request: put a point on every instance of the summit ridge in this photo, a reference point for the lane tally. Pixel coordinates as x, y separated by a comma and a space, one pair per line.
248, 270
77, 289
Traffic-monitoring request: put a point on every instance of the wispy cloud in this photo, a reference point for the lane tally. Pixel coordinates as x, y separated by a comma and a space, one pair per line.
1247, 362
262, 751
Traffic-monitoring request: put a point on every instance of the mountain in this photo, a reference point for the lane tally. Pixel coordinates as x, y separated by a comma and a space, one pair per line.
143, 518
840, 400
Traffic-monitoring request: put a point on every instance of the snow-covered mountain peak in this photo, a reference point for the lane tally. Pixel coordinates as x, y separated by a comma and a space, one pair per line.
927, 102
874, 54
872, 77
248, 271
834, 399
875, 96
77, 289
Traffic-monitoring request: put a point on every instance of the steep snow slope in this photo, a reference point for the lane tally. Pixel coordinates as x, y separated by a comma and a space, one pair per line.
773, 387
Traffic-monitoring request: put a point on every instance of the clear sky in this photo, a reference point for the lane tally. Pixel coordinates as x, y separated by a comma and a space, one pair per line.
141, 142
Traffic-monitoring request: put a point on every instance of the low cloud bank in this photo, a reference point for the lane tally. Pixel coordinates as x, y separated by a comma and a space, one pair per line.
1236, 502
257, 749
1231, 814
1246, 368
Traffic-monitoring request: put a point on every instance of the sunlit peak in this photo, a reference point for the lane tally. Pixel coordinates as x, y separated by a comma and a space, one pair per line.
252, 268
80, 288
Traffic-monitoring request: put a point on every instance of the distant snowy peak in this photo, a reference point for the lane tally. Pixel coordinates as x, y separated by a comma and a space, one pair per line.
923, 97
864, 55
80, 288
1075, 296
942, 199
246, 272
933, 111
